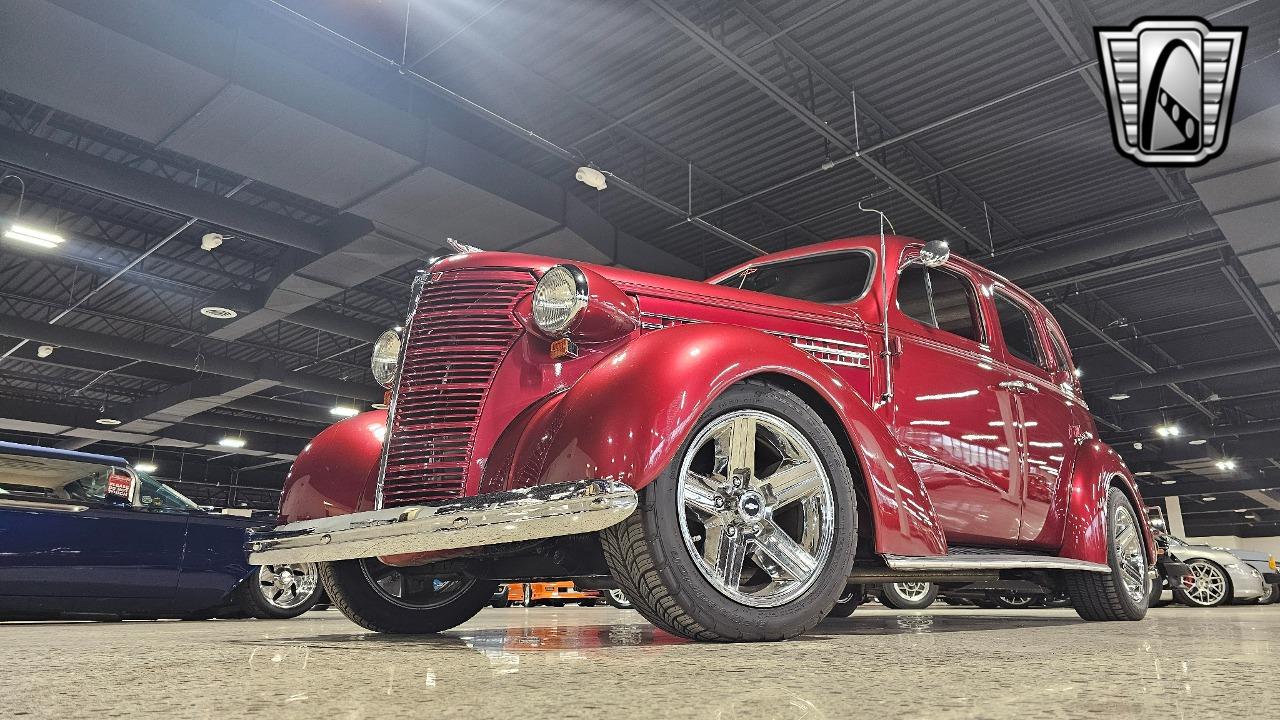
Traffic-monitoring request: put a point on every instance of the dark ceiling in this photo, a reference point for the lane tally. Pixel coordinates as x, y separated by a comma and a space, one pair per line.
336, 145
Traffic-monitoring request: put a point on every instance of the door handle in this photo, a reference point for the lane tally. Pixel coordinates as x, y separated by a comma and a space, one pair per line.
1016, 386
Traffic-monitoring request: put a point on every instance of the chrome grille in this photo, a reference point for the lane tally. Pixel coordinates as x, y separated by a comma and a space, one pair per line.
462, 328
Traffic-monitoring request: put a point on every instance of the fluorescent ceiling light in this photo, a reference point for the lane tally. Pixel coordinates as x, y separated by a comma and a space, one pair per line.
231, 442
145, 466
1120, 396
1197, 441
107, 421
33, 236
1168, 482
343, 411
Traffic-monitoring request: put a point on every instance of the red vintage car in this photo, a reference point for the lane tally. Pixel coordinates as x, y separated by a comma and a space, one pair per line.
732, 453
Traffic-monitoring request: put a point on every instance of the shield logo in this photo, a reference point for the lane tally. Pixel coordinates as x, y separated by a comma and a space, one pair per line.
1171, 84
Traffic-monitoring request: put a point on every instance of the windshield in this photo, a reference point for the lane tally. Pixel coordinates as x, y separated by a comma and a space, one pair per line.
829, 278
155, 494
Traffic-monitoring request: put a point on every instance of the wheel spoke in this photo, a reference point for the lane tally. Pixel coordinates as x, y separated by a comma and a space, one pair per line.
784, 558
698, 493
725, 549
1127, 538
738, 444
793, 482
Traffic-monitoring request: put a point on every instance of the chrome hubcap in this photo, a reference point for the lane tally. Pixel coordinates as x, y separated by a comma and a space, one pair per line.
913, 591
1208, 585
756, 508
1128, 552
619, 597
288, 586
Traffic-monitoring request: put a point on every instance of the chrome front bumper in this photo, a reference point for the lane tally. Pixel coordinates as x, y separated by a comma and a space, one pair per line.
529, 514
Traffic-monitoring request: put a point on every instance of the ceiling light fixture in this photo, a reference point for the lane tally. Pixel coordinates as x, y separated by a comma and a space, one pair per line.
107, 421
1168, 482
33, 236
591, 177
145, 466
1197, 441
1225, 464
1242, 510
379, 406
1168, 430
45, 351
1209, 498
232, 442
343, 411
1119, 396
218, 313
1078, 372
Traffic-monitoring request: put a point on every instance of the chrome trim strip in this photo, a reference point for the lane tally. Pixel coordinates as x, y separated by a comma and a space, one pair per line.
534, 513
1010, 561
854, 357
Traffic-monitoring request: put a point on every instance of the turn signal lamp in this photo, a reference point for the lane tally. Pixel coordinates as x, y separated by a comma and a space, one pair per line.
563, 348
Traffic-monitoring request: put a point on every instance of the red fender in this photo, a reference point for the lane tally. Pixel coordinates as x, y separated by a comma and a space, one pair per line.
337, 472
627, 416
1097, 468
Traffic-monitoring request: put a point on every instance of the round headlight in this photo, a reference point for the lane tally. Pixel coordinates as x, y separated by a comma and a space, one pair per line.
386, 358
559, 299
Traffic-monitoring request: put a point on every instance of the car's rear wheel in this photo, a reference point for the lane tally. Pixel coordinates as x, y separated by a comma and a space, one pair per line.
750, 532
1272, 595
908, 595
848, 602
276, 592
1209, 585
1017, 601
1122, 593
407, 601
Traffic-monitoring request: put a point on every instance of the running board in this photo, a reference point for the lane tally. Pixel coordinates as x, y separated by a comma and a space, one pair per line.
989, 562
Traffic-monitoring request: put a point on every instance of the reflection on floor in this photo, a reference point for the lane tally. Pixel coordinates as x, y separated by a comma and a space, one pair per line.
582, 662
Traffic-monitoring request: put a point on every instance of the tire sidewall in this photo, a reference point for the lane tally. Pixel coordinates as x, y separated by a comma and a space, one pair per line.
680, 572
352, 591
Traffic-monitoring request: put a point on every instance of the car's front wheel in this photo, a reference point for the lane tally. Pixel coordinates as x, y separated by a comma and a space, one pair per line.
1209, 585
277, 592
750, 532
407, 601
1122, 593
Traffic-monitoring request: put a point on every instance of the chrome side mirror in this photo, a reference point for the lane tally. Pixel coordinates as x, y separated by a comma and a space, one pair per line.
934, 253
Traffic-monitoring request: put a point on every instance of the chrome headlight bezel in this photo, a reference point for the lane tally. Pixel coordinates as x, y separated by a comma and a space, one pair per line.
384, 361
559, 299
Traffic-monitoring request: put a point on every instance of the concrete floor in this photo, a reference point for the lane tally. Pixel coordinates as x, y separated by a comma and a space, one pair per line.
583, 662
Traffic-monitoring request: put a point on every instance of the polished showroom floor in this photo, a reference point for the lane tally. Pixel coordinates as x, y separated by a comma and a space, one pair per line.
603, 663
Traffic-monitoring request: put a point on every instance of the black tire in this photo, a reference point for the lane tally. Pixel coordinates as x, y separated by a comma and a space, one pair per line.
1272, 596
261, 599
1102, 596
617, 598
897, 598
848, 602
648, 558
500, 598
1181, 595
352, 589
1156, 598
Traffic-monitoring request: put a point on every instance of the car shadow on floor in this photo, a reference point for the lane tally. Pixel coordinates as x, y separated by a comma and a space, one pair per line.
927, 622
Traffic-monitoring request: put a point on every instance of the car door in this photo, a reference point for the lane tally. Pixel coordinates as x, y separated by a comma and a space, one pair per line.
949, 412
84, 543
1046, 405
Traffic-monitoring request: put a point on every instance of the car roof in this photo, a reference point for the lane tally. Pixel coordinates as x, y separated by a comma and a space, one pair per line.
8, 448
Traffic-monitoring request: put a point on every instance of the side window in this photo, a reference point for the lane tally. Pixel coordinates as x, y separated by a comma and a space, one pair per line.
1060, 352
1019, 331
941, 299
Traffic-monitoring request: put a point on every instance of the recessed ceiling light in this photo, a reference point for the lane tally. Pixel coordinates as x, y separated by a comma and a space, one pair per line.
145, 466
379, 406
33, 236
1197, 441
218, 313
1168, 482
343, 411
1143, 473
232, 442
1242, 510
1225, 464
1168, 430
1209, 498
107, 421
1120, 396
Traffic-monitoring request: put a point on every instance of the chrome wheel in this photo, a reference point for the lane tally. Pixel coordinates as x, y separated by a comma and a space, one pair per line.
756, 508
619, 598
913, 591
1129, 554
1209, 584
287, 586
414, 590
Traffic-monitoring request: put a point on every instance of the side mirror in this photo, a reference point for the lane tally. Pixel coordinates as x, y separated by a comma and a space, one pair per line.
934, 253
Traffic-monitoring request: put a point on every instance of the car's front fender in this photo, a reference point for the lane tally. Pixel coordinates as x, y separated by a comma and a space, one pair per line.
626, 418
337, 472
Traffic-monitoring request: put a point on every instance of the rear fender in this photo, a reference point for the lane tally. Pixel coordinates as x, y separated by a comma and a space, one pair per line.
626, 418
1097, 469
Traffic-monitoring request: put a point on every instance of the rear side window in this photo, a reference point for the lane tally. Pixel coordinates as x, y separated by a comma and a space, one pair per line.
1060, 353
1019, 330
941, 299
833, 278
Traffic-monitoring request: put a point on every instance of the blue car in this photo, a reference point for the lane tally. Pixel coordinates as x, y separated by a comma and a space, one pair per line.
85, 535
